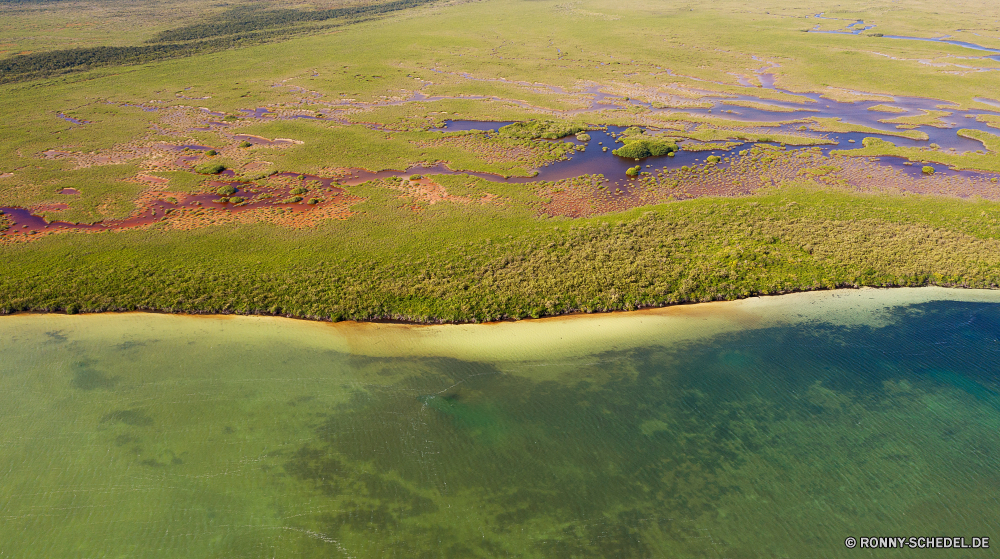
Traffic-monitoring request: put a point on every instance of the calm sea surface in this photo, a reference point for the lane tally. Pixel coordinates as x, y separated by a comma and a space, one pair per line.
763, 428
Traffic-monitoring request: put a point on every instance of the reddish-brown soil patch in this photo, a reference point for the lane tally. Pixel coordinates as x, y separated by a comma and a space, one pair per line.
427, 191
48, 208
297, 216
150, 179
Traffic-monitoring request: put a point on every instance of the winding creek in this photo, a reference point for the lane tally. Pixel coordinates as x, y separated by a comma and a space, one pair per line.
761, 428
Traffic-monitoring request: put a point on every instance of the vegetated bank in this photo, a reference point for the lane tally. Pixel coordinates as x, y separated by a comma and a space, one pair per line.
443, 265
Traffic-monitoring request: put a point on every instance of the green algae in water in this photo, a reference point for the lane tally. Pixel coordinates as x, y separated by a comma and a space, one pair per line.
159, 436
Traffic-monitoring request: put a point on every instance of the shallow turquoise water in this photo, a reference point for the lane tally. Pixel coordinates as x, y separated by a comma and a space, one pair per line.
161, 436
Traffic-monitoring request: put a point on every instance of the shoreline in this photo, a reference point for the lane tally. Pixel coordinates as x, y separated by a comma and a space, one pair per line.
564, 316
563, 339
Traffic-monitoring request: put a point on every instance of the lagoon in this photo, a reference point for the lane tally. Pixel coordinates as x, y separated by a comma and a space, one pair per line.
768, 427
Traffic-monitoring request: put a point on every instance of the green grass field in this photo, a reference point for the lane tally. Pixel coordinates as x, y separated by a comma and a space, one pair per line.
380, 78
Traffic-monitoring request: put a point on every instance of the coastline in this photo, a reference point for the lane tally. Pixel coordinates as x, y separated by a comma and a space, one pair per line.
569, 335
400, 321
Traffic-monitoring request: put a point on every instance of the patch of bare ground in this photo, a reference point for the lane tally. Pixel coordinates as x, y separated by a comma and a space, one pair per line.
741, 176
256, 166
49, 208
116, 156
671, 95
570, 203
149, 180
155, 155
430, 192
179, 120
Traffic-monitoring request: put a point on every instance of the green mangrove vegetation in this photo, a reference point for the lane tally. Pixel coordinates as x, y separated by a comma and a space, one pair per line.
640, 148
239, 27
546, 129
363, 88
469, 264
241, 19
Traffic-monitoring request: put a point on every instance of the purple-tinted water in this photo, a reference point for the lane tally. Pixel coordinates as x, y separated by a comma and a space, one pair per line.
965, 44
258, 112
71, 119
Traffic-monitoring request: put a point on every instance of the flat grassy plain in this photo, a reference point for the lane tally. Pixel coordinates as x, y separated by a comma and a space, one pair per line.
372, 89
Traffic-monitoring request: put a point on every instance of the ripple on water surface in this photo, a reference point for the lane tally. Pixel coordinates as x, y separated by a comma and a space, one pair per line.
762, 428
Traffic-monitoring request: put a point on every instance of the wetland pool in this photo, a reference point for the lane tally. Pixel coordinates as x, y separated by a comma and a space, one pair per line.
769, 427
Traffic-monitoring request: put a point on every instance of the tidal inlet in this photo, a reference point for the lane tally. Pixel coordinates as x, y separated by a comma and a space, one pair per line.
499, 279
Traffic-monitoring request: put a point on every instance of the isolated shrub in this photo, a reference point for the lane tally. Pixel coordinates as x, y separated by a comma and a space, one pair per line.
245, 144
633, 171
226, 190
415, 177
645, 147
713, 159
313, 201
211, 152
236, 200
547, 129
583, 137
210, 168
298, 190
928, 170
292, 200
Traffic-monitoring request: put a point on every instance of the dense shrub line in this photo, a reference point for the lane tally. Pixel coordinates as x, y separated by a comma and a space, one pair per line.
244, 19
673, 255
38, 65
245, 31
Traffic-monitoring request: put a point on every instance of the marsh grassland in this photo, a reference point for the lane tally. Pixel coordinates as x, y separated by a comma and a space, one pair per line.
456, 161
362, 163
